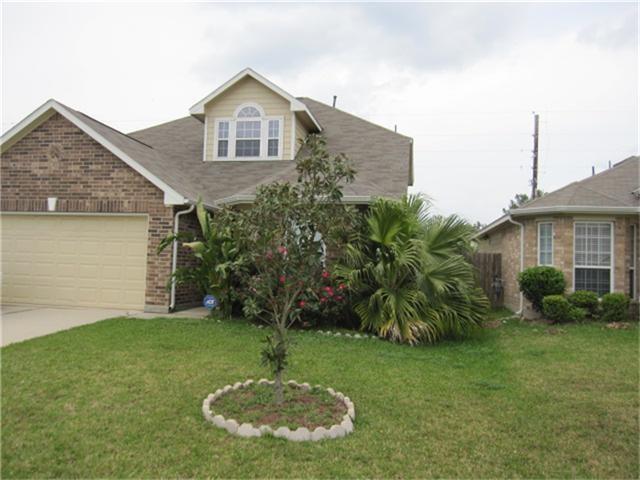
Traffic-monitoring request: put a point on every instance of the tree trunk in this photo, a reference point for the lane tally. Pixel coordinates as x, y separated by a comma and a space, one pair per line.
279, 388
280, 337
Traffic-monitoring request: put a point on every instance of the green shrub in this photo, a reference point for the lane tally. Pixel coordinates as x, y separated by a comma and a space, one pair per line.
586, 300
615, 307
558, 309
538, 282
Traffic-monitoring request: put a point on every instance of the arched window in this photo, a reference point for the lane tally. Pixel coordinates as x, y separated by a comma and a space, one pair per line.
249, 135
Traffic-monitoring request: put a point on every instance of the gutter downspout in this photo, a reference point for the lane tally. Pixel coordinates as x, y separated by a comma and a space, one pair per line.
519, 312
174, 259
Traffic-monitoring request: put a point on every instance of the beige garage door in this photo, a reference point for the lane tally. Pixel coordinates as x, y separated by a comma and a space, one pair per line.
78, 260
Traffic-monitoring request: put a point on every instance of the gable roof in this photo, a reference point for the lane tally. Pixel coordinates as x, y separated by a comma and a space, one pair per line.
296, 106
169, 155
381, 158
614, 190
142, 158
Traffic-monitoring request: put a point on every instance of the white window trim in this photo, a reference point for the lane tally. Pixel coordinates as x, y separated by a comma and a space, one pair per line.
249, 104
264, 135
552, 243
611, 267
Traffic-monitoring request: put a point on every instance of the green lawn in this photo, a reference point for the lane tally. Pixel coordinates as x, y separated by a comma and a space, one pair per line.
122, 398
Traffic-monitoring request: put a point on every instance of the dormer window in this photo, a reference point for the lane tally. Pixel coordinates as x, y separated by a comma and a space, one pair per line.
249, 135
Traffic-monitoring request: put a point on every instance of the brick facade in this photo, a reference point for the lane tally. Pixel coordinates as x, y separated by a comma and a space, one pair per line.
506, 240
57, 159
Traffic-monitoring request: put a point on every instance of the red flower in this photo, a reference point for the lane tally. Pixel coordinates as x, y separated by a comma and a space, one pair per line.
325, 274
269, 255
323, 299
282, 250
301, 303
339, 298
282, 279
341, 286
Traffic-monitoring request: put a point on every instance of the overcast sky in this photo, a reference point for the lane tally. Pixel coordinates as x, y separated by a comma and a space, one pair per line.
461, 79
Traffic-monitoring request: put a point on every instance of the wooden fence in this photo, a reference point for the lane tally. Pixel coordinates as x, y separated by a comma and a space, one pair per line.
489, 268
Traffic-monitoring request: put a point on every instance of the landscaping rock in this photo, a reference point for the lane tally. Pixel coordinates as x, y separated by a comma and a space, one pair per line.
248, 430
351, 412
263, 381
282, 432
231, 426
219, 421
293, 383
237, 385
336, 431
319, 434
347, 424
305, 386
266, 430
207, 413
331, 391
227, 388
301, 434
247, 383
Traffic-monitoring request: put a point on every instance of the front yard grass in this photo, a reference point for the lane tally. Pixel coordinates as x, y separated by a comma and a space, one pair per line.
122, 398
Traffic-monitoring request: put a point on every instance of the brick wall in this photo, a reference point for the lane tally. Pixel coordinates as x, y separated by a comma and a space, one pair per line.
59, 160
506, 240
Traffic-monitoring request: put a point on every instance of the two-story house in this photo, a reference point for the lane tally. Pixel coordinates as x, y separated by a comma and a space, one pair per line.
84, 206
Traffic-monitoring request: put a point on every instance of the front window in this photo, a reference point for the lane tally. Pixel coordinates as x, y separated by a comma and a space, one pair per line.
545, 244
249, 135
593, 252
223, 139
274, 138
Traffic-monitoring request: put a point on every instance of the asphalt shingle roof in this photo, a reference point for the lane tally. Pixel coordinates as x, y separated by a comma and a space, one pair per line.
616, 187
613, 187
173, 152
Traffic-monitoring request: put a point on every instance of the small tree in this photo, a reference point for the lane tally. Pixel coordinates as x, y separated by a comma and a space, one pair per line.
287, 232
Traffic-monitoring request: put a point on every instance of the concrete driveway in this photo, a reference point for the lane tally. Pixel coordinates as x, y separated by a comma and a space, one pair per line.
22, 322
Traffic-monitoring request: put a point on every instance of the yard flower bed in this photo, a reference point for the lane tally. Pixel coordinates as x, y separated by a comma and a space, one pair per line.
122, 398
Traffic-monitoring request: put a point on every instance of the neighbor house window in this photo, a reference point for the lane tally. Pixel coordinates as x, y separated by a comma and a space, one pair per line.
249, 135
545, 244
593, 256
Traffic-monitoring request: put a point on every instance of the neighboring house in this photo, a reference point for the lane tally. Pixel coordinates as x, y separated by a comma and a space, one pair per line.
588, 229
84, 206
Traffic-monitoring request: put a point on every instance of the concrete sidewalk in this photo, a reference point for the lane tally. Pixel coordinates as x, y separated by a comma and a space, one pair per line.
22, 322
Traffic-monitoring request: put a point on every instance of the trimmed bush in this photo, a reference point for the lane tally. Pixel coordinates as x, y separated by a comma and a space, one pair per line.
586, 300
558, 309
539, 282
615, 307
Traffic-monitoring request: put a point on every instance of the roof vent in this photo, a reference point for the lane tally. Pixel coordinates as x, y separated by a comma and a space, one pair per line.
335, 97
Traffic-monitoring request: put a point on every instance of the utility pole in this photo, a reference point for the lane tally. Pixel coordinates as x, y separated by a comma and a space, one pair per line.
534, 180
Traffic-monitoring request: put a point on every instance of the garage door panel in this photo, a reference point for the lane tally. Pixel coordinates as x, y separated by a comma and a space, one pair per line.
74, 260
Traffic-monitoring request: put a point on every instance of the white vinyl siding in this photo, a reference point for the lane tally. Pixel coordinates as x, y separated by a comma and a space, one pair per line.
593, 256
545, 243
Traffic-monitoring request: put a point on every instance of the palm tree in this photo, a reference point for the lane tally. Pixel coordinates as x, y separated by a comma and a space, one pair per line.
409, 273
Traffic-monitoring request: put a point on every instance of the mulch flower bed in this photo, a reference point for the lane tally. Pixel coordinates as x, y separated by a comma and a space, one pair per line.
307, 413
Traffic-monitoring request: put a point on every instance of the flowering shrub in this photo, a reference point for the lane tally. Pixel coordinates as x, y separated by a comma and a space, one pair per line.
326, 303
